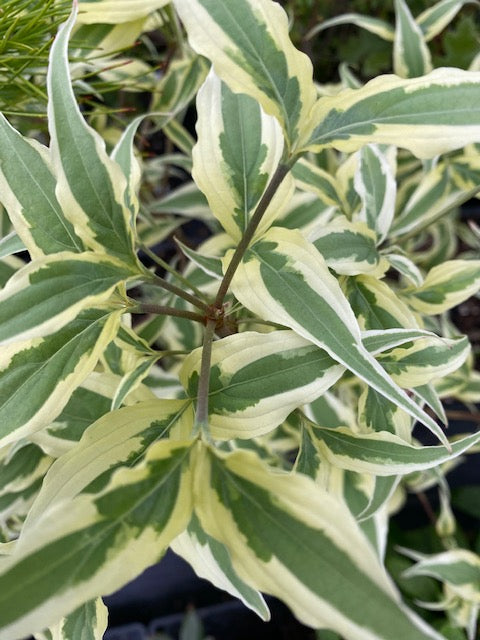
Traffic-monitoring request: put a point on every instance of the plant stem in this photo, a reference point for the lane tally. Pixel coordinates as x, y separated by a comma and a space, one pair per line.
179, 292
201, 413
255, 220
201, 410
146, 307
170, 269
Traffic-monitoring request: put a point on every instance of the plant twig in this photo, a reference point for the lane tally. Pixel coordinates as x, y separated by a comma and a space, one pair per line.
201, 414
158, 309
201, 410
168, 286
161, 263
277, 178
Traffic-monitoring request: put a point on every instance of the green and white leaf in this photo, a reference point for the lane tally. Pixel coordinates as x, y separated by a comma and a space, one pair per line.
50, 292
177, 88
427, 359
249, 45
37, 377
133, 379
385, 487
445, 286
123, 154
310, 177
406, 268
209, 264
115, 11
460, 568
93, 544
21, 466
238, 149
406, 113
376, 26
376, 185
290, 538
433, 20
411, 56
27, 191
90, 185
305, 212
349, 248
383, 453
434, 195
377, 341
376, 305
89, 402
257, 379
211, 560
117, 438
284, 279
187, 201
376, 413
11, 244
429, 395
88, 622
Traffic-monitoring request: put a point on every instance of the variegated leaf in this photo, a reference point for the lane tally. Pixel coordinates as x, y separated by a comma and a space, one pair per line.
433, 195
289, 537
445, 286
132, 379
376, 305
211, 560
257, 379
249, 46
187, 201
115, 11
375, 184
425, 360
89, 402
349, 248
90, 186
383, 453
385, 486
406, 113
21, 466
88, 622
374, 25
50, 292
177, 88
406, 268
239, 147
92, 544
100, 42
429, 396
123, 154
38, 376
376, 413
305, 212
310, 177
411, 56
11, 244
433, 20
308, 460
284, 279
209, 264
27, 191
117, 438
377, 340
459, 568
14, 505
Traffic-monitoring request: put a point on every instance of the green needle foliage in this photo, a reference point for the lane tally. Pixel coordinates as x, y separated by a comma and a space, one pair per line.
27, 28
